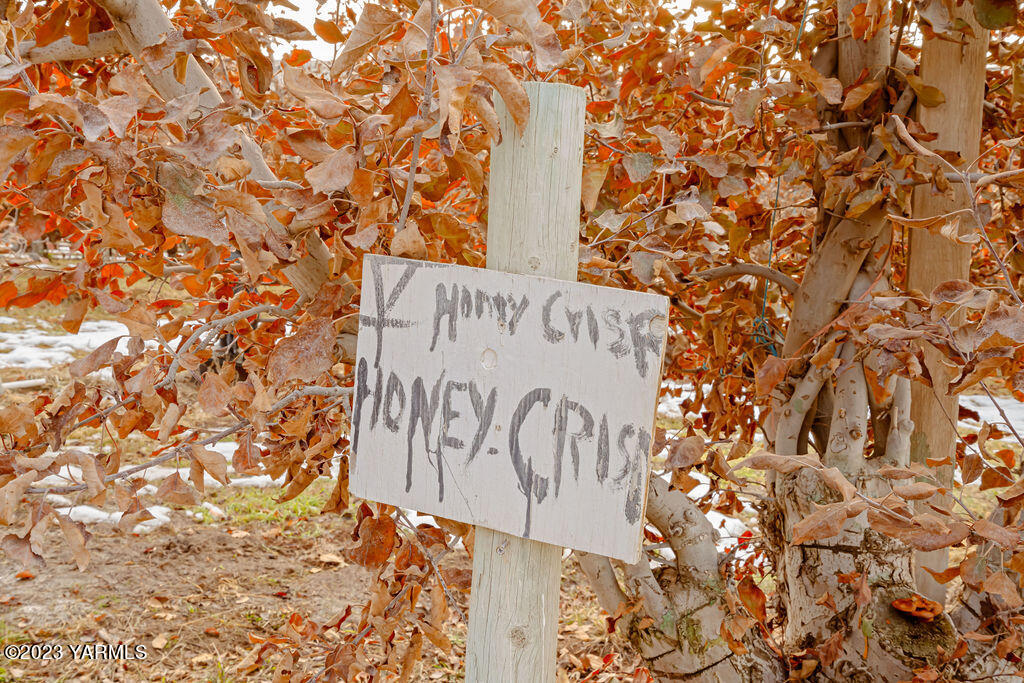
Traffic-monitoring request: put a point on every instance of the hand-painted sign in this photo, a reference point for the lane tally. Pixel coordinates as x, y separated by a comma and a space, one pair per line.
519, 403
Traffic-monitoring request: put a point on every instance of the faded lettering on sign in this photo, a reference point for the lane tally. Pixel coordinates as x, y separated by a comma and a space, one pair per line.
519, 403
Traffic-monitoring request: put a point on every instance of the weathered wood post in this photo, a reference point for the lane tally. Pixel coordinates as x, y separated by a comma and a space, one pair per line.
533, 228
513, 398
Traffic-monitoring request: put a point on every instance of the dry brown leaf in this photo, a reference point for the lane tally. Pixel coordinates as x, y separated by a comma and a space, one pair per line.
11, 494
175, 491
1001, 536
214, 395
918, 533
918, 490
409, 243
96, 359
594, 175
303, 355
825, 522
771, 372
20, 550
784, 464
328, 31
374, 23
859, 94
377, 536
524, 16
334, 173
212, 461
837, 481
512, 92
745, 104
753, 598
312, 92
999, 583
77, 537
685, 453
411, 657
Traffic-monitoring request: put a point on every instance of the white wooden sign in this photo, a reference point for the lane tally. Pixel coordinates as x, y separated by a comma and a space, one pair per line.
519, 403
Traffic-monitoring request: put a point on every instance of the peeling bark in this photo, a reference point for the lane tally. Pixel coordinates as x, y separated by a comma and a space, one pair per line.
685, 602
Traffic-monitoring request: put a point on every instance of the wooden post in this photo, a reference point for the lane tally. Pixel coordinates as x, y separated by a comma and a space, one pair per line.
533, 228
959, 71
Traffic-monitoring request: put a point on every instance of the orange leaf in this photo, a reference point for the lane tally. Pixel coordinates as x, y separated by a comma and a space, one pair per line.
298, 57
328, 30
918, 607
753, 598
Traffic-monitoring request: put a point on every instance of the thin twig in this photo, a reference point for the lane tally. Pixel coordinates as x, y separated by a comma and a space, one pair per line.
219, 323
755, 269
708, 100
428, 96
433, 565
178, 451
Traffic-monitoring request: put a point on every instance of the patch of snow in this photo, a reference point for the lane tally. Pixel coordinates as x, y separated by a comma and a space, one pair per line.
257, 481
1013, 408
4, 320
225, 448
214, 511
729, 528
34, 348
161, 516
88, 514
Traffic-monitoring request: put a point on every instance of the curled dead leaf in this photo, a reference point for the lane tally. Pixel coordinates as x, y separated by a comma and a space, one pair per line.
377, 536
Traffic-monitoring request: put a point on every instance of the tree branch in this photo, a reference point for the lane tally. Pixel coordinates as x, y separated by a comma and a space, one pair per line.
708, 100
599, 572
100, 44
177, 451
428, 96
792, 413
685, 527
755, 269
143, 23
219, 323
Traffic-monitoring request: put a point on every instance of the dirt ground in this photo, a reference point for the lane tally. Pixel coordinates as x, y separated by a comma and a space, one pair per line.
194, 591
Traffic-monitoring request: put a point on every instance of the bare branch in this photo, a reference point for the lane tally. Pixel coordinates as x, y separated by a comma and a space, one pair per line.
755, 269
100, 44
687, 529
179, 450
428, 96
708, 100
848, 428
901, 427
792, 413
640, 579
599, 572
218, 324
